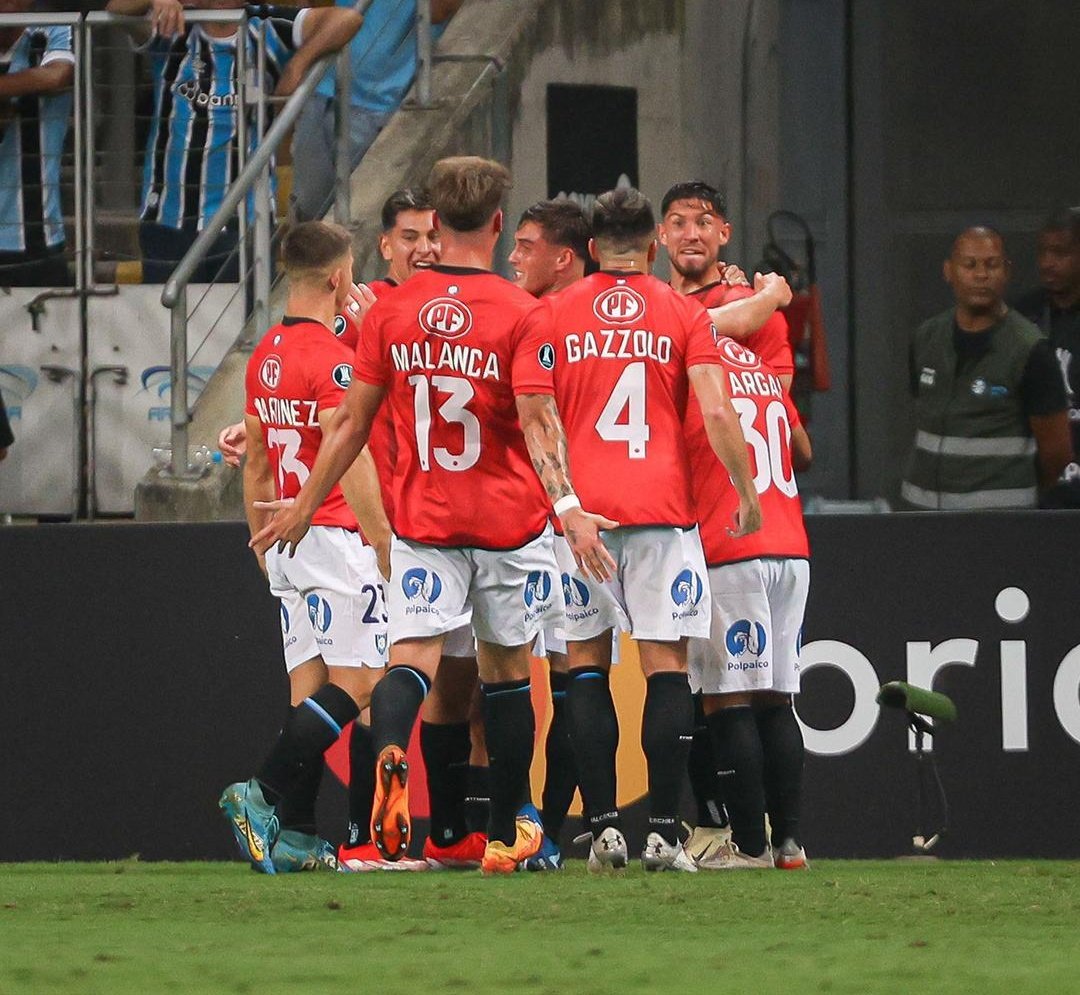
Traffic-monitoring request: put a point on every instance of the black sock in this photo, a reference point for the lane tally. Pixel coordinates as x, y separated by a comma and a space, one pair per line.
477, 799
594, 728
782, 749
509, 728
667, 728
297, 807
361, 784
560, 780
738, 753
395, 703
446, 757
701, 768
312, 727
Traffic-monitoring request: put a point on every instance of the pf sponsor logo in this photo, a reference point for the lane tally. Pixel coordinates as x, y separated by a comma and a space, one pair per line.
619, 304
537, 588
319, 612
745, 637
445, 317
421, 585
270, 372
739, 355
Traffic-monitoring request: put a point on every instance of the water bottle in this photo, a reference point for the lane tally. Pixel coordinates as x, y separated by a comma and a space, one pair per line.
200, 460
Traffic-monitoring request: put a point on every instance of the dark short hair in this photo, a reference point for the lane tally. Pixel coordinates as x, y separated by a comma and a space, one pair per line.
1064, 219
623, 220
979, 231
313, 246
695, 190
563, 223
466, 191
405, 199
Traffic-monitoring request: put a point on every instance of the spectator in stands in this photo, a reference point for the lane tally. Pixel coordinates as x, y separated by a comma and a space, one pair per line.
1055, 305
37, 67
6, 438
990, 408
383, 64
191, 151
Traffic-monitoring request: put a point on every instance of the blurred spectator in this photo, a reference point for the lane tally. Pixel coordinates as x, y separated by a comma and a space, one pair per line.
191, 151
37, 67
6, 438
383, 64
990, 408
1055, 306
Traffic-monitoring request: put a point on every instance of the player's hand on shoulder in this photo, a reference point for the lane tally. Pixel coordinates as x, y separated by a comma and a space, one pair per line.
775, 286
232, 442
582, 530
733, 276
286, 528
747, 516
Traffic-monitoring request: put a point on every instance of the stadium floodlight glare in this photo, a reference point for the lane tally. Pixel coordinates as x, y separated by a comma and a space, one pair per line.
919, 702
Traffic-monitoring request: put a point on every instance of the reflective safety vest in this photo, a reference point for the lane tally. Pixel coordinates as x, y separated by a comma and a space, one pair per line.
973, 444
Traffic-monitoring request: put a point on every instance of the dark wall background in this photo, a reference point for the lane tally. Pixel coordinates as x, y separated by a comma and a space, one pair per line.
140, 672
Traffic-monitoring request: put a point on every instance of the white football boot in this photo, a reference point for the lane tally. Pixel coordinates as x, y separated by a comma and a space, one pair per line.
606, 851
730, 858
660, 855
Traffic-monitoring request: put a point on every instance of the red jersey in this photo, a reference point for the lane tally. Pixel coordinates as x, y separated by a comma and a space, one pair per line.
296, 371
446, 346
614, 349
770, 341
766, 416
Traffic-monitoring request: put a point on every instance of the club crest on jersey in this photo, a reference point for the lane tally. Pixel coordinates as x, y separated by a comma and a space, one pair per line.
445, 317
380, 642
686, 592
270, 372
746, 639
319, 612
342, 375
739, 355
339, 325
619, 304
545, 356
421, 585
576, 596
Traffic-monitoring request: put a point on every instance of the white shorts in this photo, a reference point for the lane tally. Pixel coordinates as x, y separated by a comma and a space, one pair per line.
552, 639
461, 642
508, 594
757, 617
332, 602
659, 590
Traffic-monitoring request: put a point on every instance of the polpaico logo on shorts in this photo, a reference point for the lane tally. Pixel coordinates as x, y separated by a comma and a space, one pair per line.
537, 594
285, 620
321, 618
686, 592
576, 595
745, 642
422, 588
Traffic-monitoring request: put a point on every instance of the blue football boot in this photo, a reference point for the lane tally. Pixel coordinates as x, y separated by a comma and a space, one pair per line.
295, 851
253, 821
548, 857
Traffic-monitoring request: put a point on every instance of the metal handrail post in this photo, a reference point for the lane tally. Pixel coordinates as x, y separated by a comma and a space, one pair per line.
178, 407
263, 222
242, 81
424, 62
343, 147
78, 42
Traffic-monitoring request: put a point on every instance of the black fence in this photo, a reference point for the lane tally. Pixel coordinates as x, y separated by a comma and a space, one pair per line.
141, 672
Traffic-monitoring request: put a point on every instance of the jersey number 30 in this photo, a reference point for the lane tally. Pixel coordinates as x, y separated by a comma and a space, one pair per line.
769, 448
452, 411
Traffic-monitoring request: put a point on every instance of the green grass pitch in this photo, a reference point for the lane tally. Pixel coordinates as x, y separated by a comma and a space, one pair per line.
844, 927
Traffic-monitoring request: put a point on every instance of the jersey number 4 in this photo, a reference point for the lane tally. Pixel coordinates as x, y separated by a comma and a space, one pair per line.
628, 395
452, 411
769, 448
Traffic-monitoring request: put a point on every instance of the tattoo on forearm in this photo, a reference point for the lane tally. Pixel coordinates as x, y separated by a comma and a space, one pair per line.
548, 454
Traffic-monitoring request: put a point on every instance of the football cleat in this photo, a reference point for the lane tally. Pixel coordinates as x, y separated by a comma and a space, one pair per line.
254, 822
466, 854
366, 857
547, 858
660, 855
703, 841
503, 858
789, 856
730, 858
294, 851
390, 826
606, 851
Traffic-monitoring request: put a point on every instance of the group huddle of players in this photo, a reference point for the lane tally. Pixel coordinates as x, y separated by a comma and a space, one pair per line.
447, 471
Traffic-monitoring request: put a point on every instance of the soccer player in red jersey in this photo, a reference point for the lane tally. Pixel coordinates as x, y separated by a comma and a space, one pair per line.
693, 229
620, 351
333, 620
472, 538
748, 668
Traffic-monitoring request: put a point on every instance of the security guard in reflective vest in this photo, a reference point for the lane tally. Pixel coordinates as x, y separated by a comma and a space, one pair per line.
990, 407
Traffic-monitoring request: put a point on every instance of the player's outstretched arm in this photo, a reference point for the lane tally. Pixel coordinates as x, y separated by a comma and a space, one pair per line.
745, 316
258, 481
545, 438
345, 435
232, 443
726, 438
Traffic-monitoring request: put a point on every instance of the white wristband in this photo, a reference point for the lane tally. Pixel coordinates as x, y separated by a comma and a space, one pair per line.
564, 504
